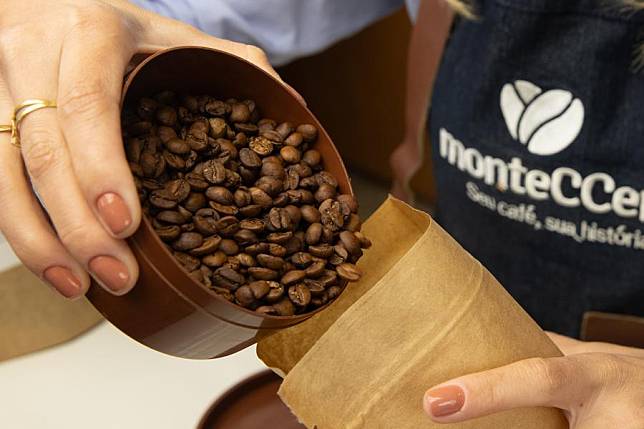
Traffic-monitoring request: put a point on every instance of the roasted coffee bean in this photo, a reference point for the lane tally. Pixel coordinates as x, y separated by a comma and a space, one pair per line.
251, 210
259, 288
218, 128
316, 269
348, 272
177, 190
167, 116
239, 113
260, 197
341, 251
312, 157
161, 200
217, 108
146, 108
244, 296
295, 139
188, 241
197, 275
133, 150
285, 129
257, 248
194, 202
310, 214
174, 161
313, 234
229, 247
246, 128
197, 181
293, 276
266, 124
328, 278
139, 128
249, 158
197, 140
206, 275
279, 219
168, 233
349, 201
301, 259
217, 259
271, 185
261, 146
353, 223
224, 210
273, 169
214, 172
220, 195
206, 222
224, 293
281, 200
365, 243
208, 246
320, 300
255, 225
279, 237
190, 263
284, 307
245, 237
262, 273
171, 216
152, 164
290, 155
350, 242
276, 250
299, 294
324, 192
331, 214
309, 132
333, 292
270, 261
246, 260
326, 177
275, 293
227, 225
303, 169
231, 275
315, 287
242, 197
178, 146
272, 136
321, 250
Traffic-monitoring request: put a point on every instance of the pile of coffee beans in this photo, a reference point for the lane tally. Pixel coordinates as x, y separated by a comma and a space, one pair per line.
243, 202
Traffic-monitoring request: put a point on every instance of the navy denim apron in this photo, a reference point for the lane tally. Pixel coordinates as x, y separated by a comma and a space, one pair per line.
537, 125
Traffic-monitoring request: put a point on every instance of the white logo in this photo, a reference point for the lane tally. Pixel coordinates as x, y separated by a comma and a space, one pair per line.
546, 122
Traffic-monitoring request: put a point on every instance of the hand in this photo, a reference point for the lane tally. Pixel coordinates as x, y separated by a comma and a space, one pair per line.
75, 52
595, 390
405, 161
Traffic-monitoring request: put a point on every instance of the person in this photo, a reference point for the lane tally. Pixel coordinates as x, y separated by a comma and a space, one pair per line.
73, 54
535, 123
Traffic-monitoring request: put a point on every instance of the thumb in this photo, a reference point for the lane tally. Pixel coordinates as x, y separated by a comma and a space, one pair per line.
553, 382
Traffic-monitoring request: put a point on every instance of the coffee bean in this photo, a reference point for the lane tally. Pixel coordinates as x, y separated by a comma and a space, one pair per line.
246, 260
152, 164
245, 237
321, 250
324, 192
326, 177
146, 108
197, 181
310, 214
316, 269
365, 243
269, 261
171, 217
217, 259
167, 116
331, 214
160, 200
206, 222
285, 129
299, 294
350, 242
177, 190
313, 234
251, 210
290, 155
239, 113
273, 169
262, 273
214, 172
268, 310
315, 287
260, 197
220, 195
188, 241
178, 146
255, 225
272, 136
229, 247
217, 108
194, 202
257, 248
319, 301
341, 251
168, 233
348, 200
208, 246
309, 132
301, 259
190, 263
295, 139
231, 275
281, 200
139, 128
261, 146
348, 272
328, 278
293, 276
259, 288
353, 223
266, 124
218, 127
249, 158
197, 140
284, 307
279, 237
223, 209
276, 250
312, 157
244, 296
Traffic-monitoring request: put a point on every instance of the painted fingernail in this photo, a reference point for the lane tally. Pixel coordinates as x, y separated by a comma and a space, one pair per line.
114, 212
64, 281
111, 272
444, 401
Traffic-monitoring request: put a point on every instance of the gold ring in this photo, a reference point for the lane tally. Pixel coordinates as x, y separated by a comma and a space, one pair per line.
20, 112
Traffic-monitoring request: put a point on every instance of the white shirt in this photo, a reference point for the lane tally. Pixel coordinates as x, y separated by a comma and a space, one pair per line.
285, 29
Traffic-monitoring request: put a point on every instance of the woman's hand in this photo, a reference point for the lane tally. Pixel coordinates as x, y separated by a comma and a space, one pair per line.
595, 390
75, 52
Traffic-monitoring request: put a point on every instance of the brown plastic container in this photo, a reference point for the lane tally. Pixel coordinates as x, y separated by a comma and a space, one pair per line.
167, 310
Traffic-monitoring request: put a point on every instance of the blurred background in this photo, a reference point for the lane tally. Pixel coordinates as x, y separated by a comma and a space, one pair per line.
62, 366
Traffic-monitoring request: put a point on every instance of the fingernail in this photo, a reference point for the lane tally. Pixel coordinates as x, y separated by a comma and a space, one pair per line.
444, 401
110, 272
64, 281
114, 212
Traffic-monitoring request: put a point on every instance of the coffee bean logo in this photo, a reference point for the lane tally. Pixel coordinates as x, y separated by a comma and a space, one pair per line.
545, 122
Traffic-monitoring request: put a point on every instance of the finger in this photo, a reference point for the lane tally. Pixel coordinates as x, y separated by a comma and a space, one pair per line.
25, 226
562, 382
48, 165
88, 111
570, 346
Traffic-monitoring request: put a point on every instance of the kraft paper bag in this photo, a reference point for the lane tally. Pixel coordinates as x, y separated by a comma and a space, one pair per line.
34, 317
424, 312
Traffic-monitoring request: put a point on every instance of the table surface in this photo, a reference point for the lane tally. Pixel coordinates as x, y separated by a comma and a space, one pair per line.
104, 379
